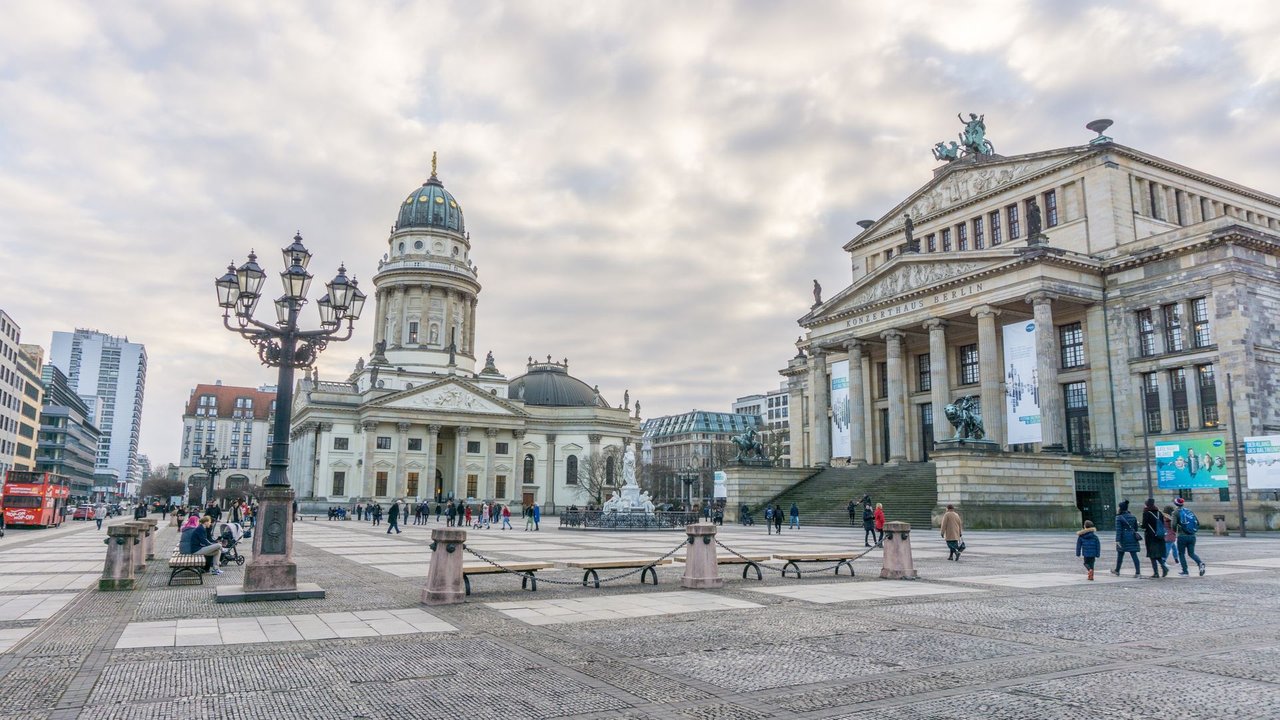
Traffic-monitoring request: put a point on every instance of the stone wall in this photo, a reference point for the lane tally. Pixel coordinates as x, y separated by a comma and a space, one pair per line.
754, 485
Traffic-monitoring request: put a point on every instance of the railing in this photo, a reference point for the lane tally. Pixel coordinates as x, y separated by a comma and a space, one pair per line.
600, 520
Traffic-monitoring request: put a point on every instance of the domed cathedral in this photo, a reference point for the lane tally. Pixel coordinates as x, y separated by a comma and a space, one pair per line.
417, 421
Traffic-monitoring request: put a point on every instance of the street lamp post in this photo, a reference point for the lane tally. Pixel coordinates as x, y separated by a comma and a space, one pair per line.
212, 465
688, 476
272, 574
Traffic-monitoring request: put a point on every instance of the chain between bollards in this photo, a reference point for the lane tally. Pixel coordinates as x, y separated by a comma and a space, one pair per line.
782, 569
579, 583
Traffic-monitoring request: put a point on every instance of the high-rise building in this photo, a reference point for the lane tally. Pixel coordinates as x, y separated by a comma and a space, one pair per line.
114, 371
11, 385
68, 443
30, 362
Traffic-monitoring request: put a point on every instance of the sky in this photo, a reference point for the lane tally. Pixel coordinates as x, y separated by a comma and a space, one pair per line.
651, 188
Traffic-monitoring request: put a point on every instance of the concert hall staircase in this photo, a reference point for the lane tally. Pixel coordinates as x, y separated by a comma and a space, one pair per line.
909, 493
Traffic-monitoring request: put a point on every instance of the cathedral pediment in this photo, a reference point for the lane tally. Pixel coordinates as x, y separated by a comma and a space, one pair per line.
450, 395
964, 181
906, 276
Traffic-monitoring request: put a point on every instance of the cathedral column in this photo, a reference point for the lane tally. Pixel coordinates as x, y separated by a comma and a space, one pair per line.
433, 438
939, 377
1051, 414
401, 483
551, 469
517, 453
490, 462
989, 372
897, 397
460, 468
379, 316
370, 447
820, 394
471, 327
857, 407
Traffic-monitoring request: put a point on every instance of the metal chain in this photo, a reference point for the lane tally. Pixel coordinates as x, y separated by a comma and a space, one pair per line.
579, 583
782, 569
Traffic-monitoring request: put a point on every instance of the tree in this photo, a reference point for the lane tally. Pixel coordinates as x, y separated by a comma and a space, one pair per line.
159, 486
593, 473
775, 444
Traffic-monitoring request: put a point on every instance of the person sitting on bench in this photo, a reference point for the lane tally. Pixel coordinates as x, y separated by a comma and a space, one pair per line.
198, 541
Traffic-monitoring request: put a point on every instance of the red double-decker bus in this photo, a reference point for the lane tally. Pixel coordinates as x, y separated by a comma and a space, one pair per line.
34, 498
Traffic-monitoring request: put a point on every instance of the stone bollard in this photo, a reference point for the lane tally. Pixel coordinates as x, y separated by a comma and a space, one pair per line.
117, 571
700, 567
149, 545
139, 548
444, 577
897, 552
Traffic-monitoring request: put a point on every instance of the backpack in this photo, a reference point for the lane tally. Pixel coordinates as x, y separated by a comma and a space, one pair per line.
1189, 522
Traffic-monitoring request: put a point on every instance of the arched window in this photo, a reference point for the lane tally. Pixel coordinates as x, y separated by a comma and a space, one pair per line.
571, 470
608, 471
528, 469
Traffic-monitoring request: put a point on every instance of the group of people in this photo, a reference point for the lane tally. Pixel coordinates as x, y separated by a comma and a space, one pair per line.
456, 514
197, 537
872, 520
773, 518
1168, 533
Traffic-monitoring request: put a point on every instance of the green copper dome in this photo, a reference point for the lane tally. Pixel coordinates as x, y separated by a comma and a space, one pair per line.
431, 206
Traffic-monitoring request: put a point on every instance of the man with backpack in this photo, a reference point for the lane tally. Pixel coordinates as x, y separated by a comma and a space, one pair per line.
1187, 525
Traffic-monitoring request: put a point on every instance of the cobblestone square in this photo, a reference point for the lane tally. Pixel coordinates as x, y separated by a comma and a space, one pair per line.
1014, 632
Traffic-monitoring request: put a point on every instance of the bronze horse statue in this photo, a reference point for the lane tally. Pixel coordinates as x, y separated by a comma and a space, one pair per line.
747, 444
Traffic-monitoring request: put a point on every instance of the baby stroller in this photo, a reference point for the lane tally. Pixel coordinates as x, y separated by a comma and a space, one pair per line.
230, 538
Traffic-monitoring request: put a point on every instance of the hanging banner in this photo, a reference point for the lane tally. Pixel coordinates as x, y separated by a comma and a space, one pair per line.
1200, 463
1021, 384
1262, 462
841, 446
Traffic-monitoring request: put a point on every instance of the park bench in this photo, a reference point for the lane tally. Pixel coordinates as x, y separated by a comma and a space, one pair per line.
748, 562
526, 570
840, 559
179, 563
591, 566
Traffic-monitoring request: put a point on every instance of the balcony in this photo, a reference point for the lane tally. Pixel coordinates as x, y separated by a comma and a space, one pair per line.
443, 265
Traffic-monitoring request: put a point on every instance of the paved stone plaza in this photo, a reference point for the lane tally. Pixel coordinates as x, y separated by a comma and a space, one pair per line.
1012, 631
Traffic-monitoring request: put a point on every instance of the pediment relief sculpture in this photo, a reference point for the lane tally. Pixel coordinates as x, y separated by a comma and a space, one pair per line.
910, 277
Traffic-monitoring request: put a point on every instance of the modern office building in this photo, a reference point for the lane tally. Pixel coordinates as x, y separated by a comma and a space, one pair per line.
111, 373
30, 364
1085, 303
230, 422
68, 440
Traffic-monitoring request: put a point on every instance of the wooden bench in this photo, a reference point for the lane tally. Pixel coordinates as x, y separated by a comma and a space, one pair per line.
526, 571
179, 563
840, 559
591, 566
747, 562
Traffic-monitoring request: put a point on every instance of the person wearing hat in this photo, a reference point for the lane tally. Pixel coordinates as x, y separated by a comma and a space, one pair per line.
1127, 539
1186, 524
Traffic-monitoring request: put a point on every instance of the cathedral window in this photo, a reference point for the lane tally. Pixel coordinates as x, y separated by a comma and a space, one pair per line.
413, 332
339, 482
609, 471
571, 470
415, 444
384, 442
528, 469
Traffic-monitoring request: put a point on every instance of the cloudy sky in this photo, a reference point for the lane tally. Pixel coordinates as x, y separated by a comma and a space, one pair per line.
650, 187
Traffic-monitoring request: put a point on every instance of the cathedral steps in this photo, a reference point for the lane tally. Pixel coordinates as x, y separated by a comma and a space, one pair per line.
909, 493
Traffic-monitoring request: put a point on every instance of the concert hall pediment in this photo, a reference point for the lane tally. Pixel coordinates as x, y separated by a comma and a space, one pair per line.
449, 395
905, 277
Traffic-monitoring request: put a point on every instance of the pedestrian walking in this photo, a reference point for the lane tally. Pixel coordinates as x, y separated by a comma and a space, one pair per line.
1127, 539
482, 521
1153, 536
853, 514
466, 516
1186, 524
768, 520
1170, 536
537, 517
795, 517
528, 518
377, 514
879, 523
100, 514
450, 514
393, 518
360, 511
417, 514
953, 532
1088, 546
506, 517
868, 523
777, 519
439, 507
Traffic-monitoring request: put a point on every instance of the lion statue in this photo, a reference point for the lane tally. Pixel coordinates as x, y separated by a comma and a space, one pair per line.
966, 417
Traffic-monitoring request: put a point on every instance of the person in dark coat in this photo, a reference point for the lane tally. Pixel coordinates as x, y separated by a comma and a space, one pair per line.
868, 523
1088, 546
393, 518
1127, 539
777, 519
853, 514
1153, 534
375, 514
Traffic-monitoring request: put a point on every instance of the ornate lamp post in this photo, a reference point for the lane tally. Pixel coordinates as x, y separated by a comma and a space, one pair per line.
212, 465
272, 574
688, 476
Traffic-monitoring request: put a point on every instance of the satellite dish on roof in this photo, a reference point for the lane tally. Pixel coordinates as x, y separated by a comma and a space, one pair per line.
1099, 126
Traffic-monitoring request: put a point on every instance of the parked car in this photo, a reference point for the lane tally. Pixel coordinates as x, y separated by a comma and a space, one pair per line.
84, 511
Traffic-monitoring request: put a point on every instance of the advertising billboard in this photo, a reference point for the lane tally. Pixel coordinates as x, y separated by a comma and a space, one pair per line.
841, 440
1021, 384
1262, 462
1198, 463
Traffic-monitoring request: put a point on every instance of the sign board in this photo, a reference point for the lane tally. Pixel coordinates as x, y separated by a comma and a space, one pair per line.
1262, 462
840, 438
720, 491
1198, 463
1021, 384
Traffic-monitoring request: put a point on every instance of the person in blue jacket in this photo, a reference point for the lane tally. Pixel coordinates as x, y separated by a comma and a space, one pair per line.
1127, 539
197, 540
1088, 546
537, 516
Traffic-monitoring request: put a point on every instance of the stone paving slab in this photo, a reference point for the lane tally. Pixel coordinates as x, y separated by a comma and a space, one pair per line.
853, 590
617, 607
35, 606
279, 628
